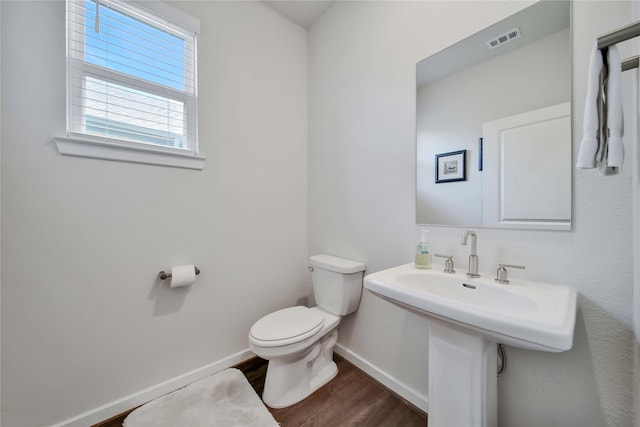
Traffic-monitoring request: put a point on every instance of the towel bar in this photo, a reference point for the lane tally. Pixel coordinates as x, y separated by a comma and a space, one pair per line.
630, 64
621, 34
165, 276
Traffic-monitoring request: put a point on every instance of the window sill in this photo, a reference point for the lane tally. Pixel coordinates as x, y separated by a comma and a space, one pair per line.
85, 147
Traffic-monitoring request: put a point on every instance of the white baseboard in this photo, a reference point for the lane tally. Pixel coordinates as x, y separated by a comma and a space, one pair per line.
414, 397
136, 399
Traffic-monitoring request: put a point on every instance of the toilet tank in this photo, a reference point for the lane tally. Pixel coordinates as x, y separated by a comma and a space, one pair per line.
337, 283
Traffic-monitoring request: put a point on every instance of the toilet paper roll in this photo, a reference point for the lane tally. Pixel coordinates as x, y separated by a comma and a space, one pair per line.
183, 275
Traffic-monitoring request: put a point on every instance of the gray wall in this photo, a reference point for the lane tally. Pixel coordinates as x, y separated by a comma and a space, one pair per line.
361, 198
84, 322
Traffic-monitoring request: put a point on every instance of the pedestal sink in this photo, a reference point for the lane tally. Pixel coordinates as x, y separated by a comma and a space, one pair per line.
468, 318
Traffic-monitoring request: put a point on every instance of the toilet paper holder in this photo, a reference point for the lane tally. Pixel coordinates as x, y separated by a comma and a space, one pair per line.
165, 276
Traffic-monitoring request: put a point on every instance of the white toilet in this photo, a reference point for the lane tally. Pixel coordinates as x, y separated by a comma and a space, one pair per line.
298, 341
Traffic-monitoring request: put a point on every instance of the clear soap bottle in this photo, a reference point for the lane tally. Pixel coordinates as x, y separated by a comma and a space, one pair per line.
423, 252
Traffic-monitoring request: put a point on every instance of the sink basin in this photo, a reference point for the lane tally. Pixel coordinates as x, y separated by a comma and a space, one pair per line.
524, 314
468, 317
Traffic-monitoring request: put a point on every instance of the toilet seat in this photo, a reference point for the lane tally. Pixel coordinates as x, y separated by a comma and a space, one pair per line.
287, 326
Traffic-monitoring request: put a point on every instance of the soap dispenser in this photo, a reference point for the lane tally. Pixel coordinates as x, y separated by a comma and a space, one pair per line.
423, 253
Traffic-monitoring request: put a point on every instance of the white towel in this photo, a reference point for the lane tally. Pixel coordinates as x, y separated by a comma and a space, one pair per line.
591, 123
615, 149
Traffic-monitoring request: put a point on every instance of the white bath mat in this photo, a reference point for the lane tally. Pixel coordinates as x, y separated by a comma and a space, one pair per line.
224, 399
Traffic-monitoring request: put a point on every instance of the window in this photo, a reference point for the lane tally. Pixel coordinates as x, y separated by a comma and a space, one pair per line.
131, 82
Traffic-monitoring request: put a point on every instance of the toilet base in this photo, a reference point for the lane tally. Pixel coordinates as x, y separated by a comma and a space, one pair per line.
290, 381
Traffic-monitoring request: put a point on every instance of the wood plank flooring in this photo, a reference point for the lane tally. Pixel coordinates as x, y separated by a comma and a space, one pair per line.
349, 400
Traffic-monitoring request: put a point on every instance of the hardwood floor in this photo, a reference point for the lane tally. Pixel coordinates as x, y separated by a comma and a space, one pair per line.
350, 399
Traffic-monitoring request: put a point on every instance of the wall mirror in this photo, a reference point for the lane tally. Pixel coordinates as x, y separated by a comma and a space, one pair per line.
501, 98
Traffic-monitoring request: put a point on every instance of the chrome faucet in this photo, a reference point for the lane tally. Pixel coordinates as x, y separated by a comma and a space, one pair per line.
473, 256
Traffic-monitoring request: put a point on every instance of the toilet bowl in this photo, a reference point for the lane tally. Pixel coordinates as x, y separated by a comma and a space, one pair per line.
298, 341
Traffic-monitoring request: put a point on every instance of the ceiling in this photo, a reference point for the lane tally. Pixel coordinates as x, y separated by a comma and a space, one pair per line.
535, 22
302, 12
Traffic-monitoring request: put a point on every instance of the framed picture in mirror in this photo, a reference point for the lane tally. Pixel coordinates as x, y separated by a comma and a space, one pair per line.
451, 166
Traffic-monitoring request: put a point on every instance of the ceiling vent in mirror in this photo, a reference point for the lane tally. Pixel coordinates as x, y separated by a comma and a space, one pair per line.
504, 38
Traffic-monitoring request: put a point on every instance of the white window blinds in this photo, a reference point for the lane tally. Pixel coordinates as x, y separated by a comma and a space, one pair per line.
131, 76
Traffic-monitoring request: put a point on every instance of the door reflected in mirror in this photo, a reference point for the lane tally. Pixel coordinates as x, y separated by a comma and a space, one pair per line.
515, 68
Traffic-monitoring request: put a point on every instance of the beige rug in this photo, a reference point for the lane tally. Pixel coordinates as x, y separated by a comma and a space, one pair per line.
225, 399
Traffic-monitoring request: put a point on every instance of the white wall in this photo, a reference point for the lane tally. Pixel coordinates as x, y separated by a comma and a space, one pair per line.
634, 89
0, 210
361, 205
452, 111
83, 319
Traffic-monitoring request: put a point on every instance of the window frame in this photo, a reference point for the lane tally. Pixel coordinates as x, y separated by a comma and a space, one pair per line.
82, 144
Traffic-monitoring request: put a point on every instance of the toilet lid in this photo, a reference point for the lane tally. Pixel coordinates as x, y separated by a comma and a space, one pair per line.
287, 326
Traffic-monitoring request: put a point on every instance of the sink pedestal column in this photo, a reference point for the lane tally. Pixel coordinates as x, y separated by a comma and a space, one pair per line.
462, 378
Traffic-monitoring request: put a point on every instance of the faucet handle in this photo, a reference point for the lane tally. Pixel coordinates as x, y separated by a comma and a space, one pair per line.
502, 273
448, 264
